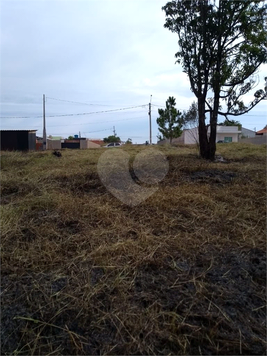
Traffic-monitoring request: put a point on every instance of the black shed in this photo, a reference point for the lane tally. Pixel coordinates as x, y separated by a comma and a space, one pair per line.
18, 140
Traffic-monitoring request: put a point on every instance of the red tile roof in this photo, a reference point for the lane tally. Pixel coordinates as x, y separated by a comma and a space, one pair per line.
99, 142
261, 131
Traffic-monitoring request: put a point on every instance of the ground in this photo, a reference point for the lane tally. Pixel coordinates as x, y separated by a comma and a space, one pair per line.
181, 273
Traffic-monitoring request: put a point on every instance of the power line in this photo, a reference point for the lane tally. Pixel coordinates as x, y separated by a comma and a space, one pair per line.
99, 122
79, 114
93, 123
75, 102
98, 130
84, 132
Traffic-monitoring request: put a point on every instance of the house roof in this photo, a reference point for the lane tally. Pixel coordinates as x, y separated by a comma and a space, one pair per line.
245, 129
99, 142
262, 131
18, 130
54, 138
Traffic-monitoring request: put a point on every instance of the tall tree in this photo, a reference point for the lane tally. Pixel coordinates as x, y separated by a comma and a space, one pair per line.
170, 120
221, 46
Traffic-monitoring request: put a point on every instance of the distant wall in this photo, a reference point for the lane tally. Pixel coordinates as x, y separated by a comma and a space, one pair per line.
191, 136
257, 140
53, 144
32, 141
83, 144
39, 146
90, 144
70, 144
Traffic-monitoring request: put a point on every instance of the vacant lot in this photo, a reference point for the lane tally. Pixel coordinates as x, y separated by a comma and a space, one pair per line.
182, 273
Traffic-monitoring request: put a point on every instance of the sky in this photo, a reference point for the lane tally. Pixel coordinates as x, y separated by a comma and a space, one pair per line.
98, 62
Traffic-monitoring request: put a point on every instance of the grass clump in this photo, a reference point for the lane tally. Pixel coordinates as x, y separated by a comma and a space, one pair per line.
182, 273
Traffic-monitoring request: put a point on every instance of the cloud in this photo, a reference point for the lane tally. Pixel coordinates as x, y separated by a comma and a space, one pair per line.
112, 53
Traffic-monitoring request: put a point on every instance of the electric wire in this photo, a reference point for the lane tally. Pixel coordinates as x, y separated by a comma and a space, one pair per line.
79, 114
74, 102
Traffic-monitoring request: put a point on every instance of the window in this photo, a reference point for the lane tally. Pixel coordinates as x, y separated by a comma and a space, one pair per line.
227, 139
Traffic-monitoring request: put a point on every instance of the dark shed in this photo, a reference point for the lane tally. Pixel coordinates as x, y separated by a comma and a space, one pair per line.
18, 140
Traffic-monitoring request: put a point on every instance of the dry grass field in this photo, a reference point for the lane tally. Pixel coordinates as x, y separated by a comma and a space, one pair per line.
182, 273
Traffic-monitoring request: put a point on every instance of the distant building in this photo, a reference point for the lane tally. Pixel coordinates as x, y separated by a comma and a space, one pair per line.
92, 144
246, 133
57, 143
260, 137
262, 132
79, 142
97, 141
53, 143
249, 136
190, 136
18, 140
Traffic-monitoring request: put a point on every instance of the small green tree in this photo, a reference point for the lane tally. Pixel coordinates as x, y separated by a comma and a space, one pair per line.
129, 141
70, 138
111, 139
231, 123
170, 120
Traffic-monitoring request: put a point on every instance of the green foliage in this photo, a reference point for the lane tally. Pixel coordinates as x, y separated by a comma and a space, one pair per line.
70, 138
129, 141
221, 46
112, 138
170, 120
227, 122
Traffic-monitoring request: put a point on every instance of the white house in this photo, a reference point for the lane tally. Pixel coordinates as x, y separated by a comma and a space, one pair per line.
227, 133
190, 136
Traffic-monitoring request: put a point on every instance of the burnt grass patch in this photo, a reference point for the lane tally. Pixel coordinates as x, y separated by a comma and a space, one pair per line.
212, 176
182, 273
218, 292
82, 183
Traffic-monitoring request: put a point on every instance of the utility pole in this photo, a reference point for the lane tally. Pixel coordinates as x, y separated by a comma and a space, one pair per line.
44, 129
114, 131
150, 127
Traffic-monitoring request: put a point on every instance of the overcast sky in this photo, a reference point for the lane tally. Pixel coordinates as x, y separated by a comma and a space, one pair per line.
104, 54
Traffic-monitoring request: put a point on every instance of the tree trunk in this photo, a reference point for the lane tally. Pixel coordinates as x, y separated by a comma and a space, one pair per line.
202, 130
212, 138
213, 127
207, 145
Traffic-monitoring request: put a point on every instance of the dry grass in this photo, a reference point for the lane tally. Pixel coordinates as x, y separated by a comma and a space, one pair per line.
183, 273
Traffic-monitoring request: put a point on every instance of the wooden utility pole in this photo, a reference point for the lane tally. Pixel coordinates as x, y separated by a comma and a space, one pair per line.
44, 128
150, 127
